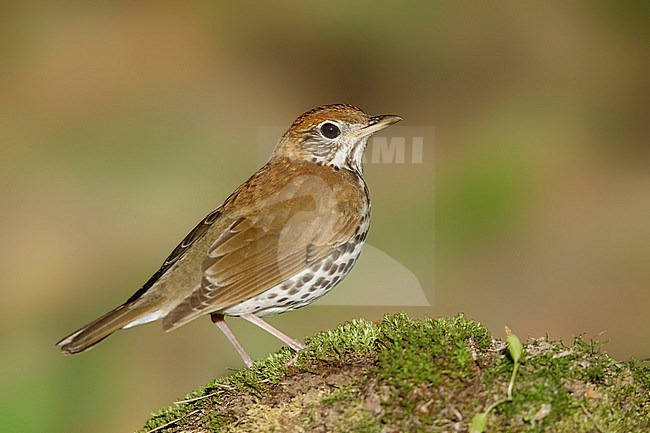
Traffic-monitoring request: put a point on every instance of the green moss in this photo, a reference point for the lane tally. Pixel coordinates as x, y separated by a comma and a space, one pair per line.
351, 413
357, 420
417, 351
641, 373
217, 422
358, 336
343, 394
567, 381
428, 375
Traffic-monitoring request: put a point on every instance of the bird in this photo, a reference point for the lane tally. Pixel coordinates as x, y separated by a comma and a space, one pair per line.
283, 239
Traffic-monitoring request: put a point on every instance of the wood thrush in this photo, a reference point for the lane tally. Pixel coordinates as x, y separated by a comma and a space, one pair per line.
282, 240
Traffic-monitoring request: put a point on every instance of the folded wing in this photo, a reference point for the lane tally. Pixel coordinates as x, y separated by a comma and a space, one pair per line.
272, 239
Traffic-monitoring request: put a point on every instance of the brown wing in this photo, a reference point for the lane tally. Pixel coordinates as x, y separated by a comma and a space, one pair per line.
197, 232
272, 240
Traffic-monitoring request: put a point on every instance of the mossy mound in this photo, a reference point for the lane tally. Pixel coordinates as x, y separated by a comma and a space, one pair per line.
429, 375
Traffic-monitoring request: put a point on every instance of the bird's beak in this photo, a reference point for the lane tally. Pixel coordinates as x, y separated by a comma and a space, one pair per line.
377, 123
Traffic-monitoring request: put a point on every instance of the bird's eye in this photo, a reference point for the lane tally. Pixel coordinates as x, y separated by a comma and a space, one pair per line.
329, 130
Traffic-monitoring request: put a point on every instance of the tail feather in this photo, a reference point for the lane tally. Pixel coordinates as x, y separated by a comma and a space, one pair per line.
87, 336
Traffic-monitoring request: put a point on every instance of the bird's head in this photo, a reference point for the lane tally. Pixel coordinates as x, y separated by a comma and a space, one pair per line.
334, 135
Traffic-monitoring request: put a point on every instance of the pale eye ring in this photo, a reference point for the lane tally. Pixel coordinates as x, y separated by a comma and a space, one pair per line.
329, 130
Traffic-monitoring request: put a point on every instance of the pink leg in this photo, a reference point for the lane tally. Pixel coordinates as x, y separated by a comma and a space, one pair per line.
271, 330
218, 320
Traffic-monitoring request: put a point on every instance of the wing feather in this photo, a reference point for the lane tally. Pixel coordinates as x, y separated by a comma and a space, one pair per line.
273, 239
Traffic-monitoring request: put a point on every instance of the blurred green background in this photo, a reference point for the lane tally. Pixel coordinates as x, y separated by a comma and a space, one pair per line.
123, 123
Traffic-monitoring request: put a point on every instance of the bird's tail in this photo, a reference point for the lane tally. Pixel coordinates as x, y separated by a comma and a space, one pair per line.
87, 336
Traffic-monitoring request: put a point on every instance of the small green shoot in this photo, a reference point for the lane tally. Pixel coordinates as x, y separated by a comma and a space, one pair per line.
515, 348
479, 421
